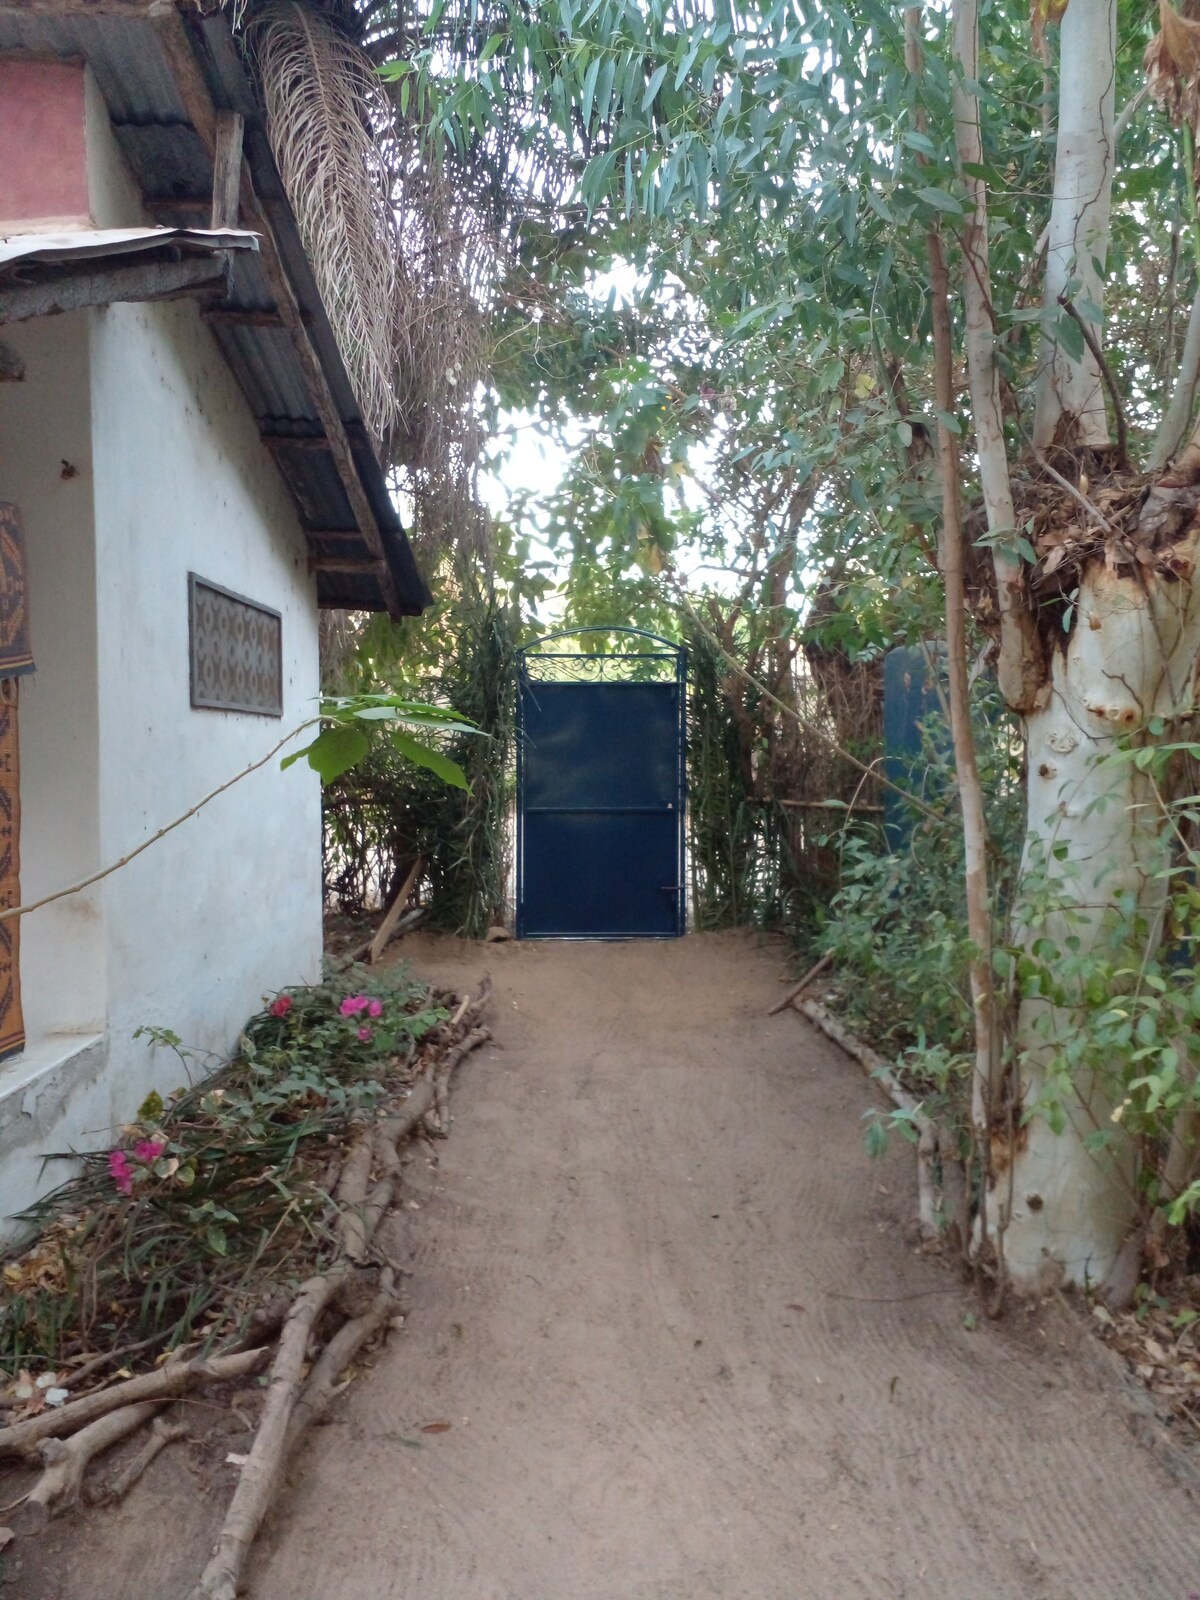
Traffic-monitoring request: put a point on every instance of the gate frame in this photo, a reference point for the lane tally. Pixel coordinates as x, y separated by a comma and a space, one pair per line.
669, 651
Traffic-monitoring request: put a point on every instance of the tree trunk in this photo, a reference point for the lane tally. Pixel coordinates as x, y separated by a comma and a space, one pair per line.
1175, 425
1093, 835
951, 559
1070, 393
1021, 666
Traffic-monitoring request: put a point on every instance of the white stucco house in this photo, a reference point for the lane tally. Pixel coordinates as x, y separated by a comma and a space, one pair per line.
185, 478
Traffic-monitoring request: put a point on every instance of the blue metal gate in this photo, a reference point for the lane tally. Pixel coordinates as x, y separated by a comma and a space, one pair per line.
600, 788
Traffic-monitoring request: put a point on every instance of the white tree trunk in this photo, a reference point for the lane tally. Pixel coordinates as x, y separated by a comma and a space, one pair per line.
1131, 654
1021, 665
1178, 420
1070, 392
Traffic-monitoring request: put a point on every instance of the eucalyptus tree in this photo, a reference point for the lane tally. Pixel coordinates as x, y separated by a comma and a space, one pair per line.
899, 240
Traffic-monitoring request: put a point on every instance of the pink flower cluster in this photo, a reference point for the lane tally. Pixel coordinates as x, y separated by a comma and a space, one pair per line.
281, 1005
146, 1151
353, 1004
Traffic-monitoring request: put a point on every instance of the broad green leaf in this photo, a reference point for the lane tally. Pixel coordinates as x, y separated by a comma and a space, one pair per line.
336, 750
941, 200
424, 755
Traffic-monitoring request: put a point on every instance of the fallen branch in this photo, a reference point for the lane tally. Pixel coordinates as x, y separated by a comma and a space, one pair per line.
291, 1409
429, 1095
323, 1381
261, 1470
362, 1298
22, 1439
928, 1140
58, 1487
352, 1195
73, 1380
362, 952
439, 1117
388, 927
798, 989
161, 1435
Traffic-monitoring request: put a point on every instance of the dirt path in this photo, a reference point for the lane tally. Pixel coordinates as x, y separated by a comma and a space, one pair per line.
643, 1188
674, 1319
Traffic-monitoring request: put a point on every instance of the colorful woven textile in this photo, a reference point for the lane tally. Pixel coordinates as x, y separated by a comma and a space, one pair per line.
15, 657
12, 1022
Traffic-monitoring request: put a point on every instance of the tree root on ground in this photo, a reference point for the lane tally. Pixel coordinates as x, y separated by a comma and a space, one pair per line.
941, 1191
22, 1440
161, 1435
260, 1473
59, 1486
341, 1310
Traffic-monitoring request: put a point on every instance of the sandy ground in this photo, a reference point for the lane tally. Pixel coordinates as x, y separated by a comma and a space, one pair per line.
685, 1346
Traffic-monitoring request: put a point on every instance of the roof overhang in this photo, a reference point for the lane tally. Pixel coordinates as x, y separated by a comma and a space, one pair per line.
170, 81
42, 274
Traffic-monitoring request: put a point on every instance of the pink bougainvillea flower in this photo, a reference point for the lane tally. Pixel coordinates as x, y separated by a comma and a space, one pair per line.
353, 1004
118, 1165
149, 1150
281, 1006
365, 1035
375, 1008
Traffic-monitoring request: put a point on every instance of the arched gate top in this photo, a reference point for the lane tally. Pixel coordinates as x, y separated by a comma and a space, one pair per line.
662, 660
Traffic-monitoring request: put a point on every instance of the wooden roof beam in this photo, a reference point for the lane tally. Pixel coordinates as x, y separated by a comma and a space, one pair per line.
130, 9
73, 289
296, 441
233, 317
367, 569
227, 170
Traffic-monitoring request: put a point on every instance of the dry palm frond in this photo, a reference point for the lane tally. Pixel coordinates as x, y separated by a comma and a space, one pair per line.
337, 639
444, 286
326, 116
1172, 61
403, 257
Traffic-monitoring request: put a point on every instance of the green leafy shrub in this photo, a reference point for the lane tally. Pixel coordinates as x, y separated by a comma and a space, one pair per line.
385, 813
215, 1196
897, 923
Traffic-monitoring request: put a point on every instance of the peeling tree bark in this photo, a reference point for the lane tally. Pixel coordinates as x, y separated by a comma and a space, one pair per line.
1069, 395
1093, 833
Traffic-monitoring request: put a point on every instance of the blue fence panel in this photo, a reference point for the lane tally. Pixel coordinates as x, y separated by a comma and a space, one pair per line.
910, 697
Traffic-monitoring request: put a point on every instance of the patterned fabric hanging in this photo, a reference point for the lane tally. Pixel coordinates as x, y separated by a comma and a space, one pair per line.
15, 661
15, 657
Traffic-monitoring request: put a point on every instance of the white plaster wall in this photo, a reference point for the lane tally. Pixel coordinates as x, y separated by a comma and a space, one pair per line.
228, 907
168, 476
54, 1094
46, 469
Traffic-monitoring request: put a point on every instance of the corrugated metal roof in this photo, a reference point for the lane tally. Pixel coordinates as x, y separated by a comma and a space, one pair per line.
174, 169
124, 54
85, 244
271, 380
